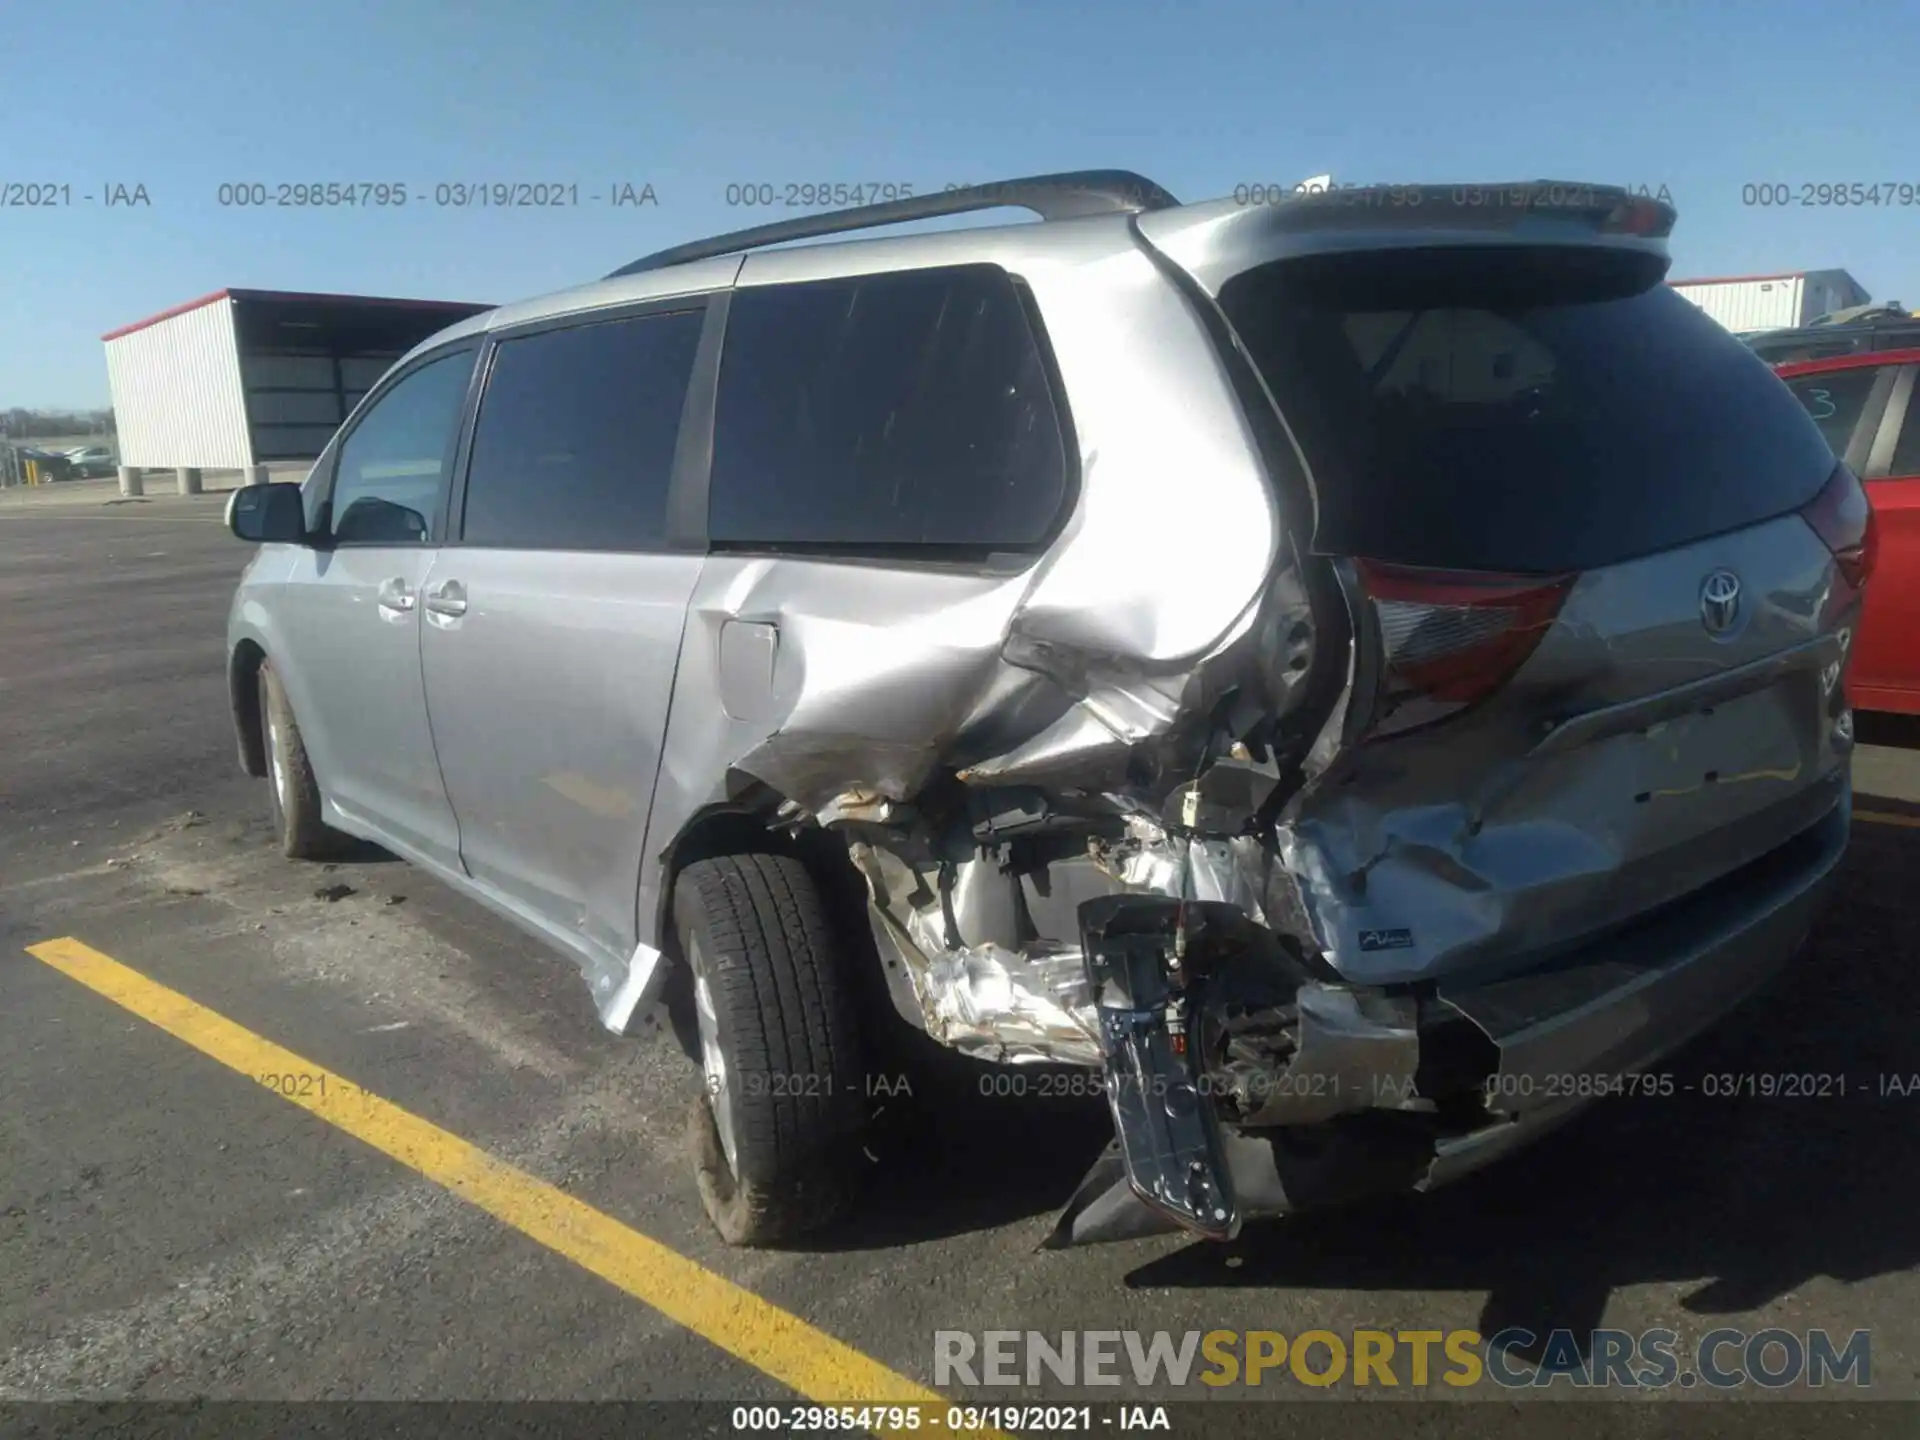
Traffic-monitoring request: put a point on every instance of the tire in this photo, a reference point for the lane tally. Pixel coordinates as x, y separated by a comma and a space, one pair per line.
777, 1131
293, 793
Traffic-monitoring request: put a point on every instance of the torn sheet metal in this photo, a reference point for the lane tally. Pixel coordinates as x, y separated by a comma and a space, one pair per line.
984, 984
1625, 1003
974, 989
984, 981
1078, 744
1152, 862
999, 1005
1353, 1050
630, 1004
1145, 996
1633, 760
852, 674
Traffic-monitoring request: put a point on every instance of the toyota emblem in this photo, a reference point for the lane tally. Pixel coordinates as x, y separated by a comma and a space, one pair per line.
1720, 601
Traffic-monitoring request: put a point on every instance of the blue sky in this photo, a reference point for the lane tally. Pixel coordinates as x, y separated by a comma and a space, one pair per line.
1697, 95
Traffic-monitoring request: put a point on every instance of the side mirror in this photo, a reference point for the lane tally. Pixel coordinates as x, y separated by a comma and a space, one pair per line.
371, 520
268, 514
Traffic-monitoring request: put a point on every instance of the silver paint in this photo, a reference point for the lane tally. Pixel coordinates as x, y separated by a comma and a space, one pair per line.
1491, 869
547, 749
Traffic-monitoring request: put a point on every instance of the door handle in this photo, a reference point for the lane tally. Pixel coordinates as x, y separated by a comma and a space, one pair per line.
449, 597
395, 595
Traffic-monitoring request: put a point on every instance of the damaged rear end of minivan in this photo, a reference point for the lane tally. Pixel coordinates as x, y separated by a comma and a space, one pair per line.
1526, 763
1587, 780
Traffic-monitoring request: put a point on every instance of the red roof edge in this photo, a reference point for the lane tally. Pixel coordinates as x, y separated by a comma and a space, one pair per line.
1859, 360
1737, 279
166, 315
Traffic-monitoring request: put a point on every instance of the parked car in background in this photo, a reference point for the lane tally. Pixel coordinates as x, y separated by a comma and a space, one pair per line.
91, 462
1864, 404
1358, 679
53, 465
1861, 330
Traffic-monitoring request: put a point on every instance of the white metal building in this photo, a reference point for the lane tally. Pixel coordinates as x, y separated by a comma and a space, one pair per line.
240, 378
1746, 304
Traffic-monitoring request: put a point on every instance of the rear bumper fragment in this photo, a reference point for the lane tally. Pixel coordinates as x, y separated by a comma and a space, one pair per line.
1610, 1011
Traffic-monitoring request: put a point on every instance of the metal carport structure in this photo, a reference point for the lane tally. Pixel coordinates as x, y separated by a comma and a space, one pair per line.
241, 379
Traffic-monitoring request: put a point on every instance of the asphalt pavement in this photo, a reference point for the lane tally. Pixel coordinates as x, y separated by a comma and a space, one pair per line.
511, 1215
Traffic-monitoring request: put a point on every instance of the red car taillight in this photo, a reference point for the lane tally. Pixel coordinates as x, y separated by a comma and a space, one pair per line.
1453, 637
1842, 516
1638, 216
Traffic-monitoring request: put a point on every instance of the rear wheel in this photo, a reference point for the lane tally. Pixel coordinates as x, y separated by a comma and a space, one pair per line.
776, 1132
295, 794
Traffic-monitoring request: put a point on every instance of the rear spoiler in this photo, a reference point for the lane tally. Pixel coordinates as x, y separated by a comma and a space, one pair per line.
1217, 240
1607, 209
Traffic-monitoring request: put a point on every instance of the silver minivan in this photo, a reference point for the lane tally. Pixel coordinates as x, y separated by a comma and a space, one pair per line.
1359, 677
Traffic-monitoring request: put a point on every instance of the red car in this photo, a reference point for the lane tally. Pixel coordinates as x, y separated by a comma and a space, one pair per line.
1866, 407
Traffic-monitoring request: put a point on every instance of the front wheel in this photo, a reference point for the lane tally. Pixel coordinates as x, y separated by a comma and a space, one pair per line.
777, 1131
295, 794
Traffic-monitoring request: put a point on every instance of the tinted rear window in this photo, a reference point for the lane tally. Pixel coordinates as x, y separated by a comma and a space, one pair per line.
886, 412
1834, 401
1519, 409
574, 446
1905, 461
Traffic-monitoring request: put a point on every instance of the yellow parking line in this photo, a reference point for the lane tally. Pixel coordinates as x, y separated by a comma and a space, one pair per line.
1887, 817
768, 1338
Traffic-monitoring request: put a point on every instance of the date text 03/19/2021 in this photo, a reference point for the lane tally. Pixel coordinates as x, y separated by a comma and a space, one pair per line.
1389, 1089
947, 1419
445, 195
1014, 1084
1077, 1082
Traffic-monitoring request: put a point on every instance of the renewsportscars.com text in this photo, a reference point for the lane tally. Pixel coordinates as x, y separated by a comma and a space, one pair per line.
1721, 1359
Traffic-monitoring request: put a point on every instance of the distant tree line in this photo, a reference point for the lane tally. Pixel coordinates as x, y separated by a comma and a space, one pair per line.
23, 424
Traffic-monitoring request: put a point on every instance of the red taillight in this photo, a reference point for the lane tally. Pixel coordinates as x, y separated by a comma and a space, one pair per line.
1638, 216
1453, 637
1842, 516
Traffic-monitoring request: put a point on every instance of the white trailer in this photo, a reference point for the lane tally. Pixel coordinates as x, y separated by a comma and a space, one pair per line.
1749, 304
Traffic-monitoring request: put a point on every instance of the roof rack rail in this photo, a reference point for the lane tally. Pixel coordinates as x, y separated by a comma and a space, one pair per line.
1069, 195
1859, 315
